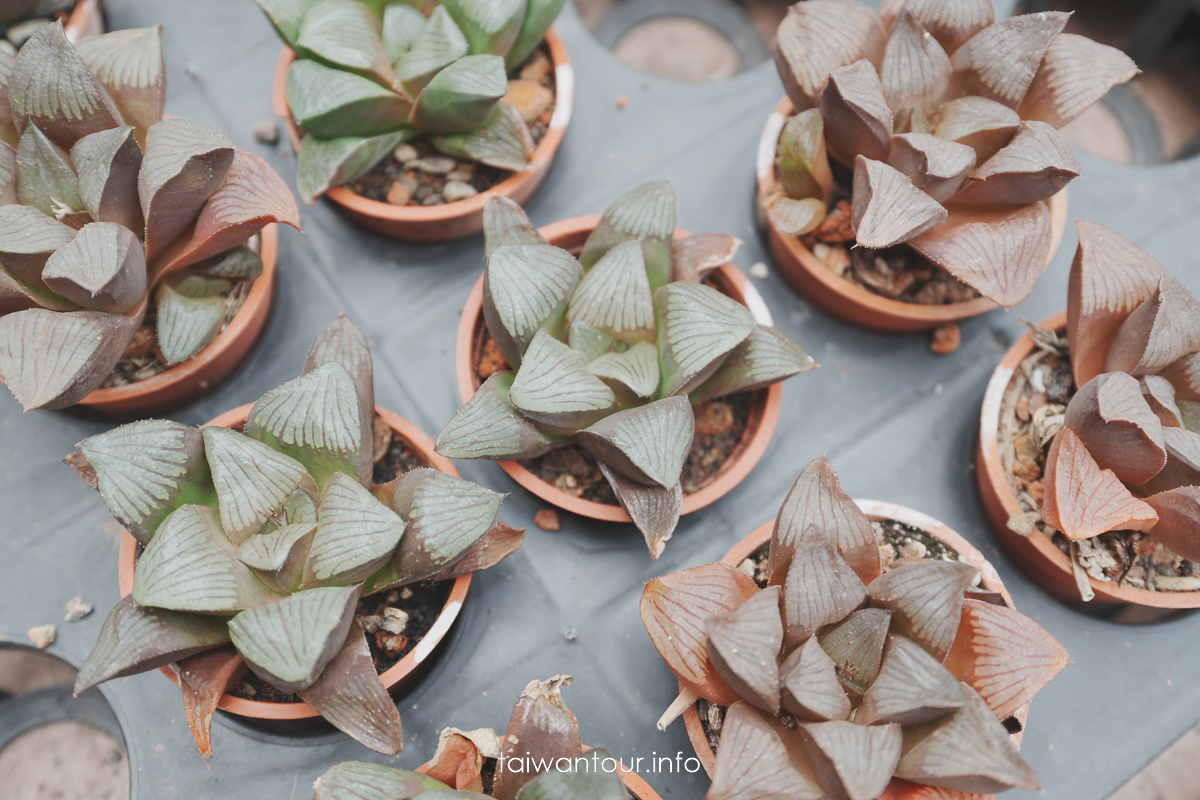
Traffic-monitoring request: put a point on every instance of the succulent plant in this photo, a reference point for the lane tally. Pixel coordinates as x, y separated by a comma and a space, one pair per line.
841, 675
948, 119
609, 351
257, 545
542, 737
1127, 457
107, 209
371, 75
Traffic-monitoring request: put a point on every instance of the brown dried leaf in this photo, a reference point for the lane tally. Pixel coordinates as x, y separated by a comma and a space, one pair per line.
1159, 332
856, 114
1004, 655
1178, 520
926, 600
1118, 427
203, 678
1074, 74
1084, 501
935, 166
1000, 61
540, 731
457, 762
1034, 166
758, 758
820, 588
743, 646
810, 687
856, 647
697, 255
913, 688
817, 37
916, 70
888, 208
853, 761
951, 22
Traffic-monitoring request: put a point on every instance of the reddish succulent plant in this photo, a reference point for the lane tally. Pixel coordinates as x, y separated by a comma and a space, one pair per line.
948, 119
839, 675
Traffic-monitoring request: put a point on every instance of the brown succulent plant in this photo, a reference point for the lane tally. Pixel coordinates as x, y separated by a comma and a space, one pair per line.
1128, 455
840, 676
948, 119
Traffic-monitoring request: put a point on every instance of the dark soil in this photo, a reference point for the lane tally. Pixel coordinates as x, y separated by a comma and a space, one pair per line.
1030, 415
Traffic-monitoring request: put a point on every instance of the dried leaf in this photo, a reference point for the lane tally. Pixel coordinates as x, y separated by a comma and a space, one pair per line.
935, 166
915, 69
645, 214
796, 217
951, 23
810, 688
820, 588
614, 296
554, 388
1118, 427
913, 688
1084, 501
108, 163
487, 426
1159, 332
526, 288
766, 357
359, 780
1074, 74
888, 208
982, 124
856, 647
855, 761
803, 165
102, 269
926, 600
458, 762
541, 730
857, 119
815, 38
744, 648
755, 761
654, 510
697, 328
129, 65
1000, 61
346, 34
1034, 166
504, 141
203, 678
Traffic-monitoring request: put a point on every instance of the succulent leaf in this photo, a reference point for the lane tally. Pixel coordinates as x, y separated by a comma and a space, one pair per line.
526, 289
345, 33
541, 730
286, 16
694, 257
856, 647
129, 65
913, 688
8, 175
647, 444
820, 589
935, 166
856, 114
951, 23
402, 26
190, 310
645, 214
591, 343
342, 343
1178, 519
360, 780
554, 388
1075, 73
462, 96
888, 208
102, 269
982, 124
851, 760
331, 102
632, 374
8, 128
45, 178
756, 761
1084, 501
743, 646
1160, 395
1183, 461
491, 26
356, 533
505, 222
915, 70
278, 557
766, 357
497, 544
796, 217
614, 295
1118, 427
488, 426
203, 678
539, 16
440, 44
1035, 165
809, 685
654, 510
697, 327
1000, 61
926, 600
17, 296
576, 784
815, 38
108, 163
503, 142
803, 164
1159, 332
324, 163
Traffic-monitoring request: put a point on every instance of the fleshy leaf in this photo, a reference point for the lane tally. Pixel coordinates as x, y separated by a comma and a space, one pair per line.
1178, 520
653, 509
755, 760
402, 26
1160, 395
856, 760
1034, 166
857, 119
346, 34
251, 478
108, 163
695, 256
915, 69
645, 214
45, 179
766, 357
278, 557
968, 752
631, 374
1183, 462
541, 730
926, 600
820, 589
324, 163
350, 696
539, 16
342, 343
796, 217
203, 678
888, 208
951, 23
497, 544
18, 296
129, 65
8, 128
589, 342
526, 288
356, 533
440, 44
815, 38
817, 499
505, 222
647, 444
1118, 427
286, 16
330, 102
982, 124
935, 166
743, 646
145, 470
491, 26
101, 269
1084, 501
487, 426
577, 784
913, 688
1004, 655
289, 642
697, 328
135, 639
360, 780
1000, 61
1074, 74
810, 688
462, 96
676, 608
614, 296
803, 164
190, 310
1000, 252
8, 173
554, 388
856, 647
1159, 332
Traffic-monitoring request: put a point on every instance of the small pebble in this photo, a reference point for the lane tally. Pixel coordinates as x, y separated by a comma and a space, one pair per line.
622, 101
19, 34
759, 270
529, 98
395, 620
461, 174
392, 597
457, 190
571, 634
265, 131
42, 636
434, 165
546, 519
537, 68
946, 339
747, 567
405, 153
398, 194
76, 609
406, 593
392, 644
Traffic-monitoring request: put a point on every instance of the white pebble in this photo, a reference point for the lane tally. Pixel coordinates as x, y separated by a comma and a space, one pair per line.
76, 609
42, 636
404, 153
759, 270
457, 190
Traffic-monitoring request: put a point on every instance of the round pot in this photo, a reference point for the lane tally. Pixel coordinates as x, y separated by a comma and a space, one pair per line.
633, 782
570, 234
400, 671
86, 19
202, 373
838, 296
1036, 555
875, 510
463, 217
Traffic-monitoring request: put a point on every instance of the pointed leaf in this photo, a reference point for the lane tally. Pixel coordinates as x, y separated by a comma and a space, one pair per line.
129, 65
8, 175
440, 44
491, 26
888, 208
203, 678
1178, 520
653, 509
135, 639
697, 328
810, 686
1118, 427
1000, 61
356, 533
589, 342
915, 69
539, 16
487, 426
402, 26
926, 600
145, 470
817, 499
1160, 395
767, 356
614, 296
632, 373
526, 288
913, 688
342, 343
345, 33
676, 608
190, 311
756, 762
647, 444
286, 16
968, 752
982, 124
951, 23
1034, 166
554, 388
278, 557
645, 214
815, 38
744, 648
45, 178
796, 217
820, 589
1183, 462
331, 102
694, 257
8, 128
101, 269
504, 222
1004, 655
856, 647
803, 165
580, 783
350, 696
935, 166
252, 480
1084, 501
856, 114
1074, 74
108, 163
856, 759
1159, 332
541, 730
18, 296
322, 164
359, 780
497, 544
462, 96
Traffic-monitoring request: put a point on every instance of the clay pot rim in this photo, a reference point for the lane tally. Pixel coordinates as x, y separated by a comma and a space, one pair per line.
875, 310
875, 510
399, 671
564, 100
735, 469
993, 481
258, 302
81, 19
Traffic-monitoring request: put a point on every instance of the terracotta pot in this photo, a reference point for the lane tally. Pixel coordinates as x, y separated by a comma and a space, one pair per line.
400, 671
464, 217
202, 373
86, 19
1036, 555
875, 510
633, 782
838, 296
570, 234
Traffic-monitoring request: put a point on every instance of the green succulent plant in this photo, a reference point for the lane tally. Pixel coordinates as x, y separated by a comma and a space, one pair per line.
108, 210
949, 120
259, 543
373, 74
611, 350
542, 737
840, 675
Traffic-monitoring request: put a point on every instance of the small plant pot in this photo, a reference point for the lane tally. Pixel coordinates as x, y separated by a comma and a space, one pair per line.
1035, 554
570, 234
398, 673
86, 19
461, 218
633, 782
199, 375
875, 510
837, 295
